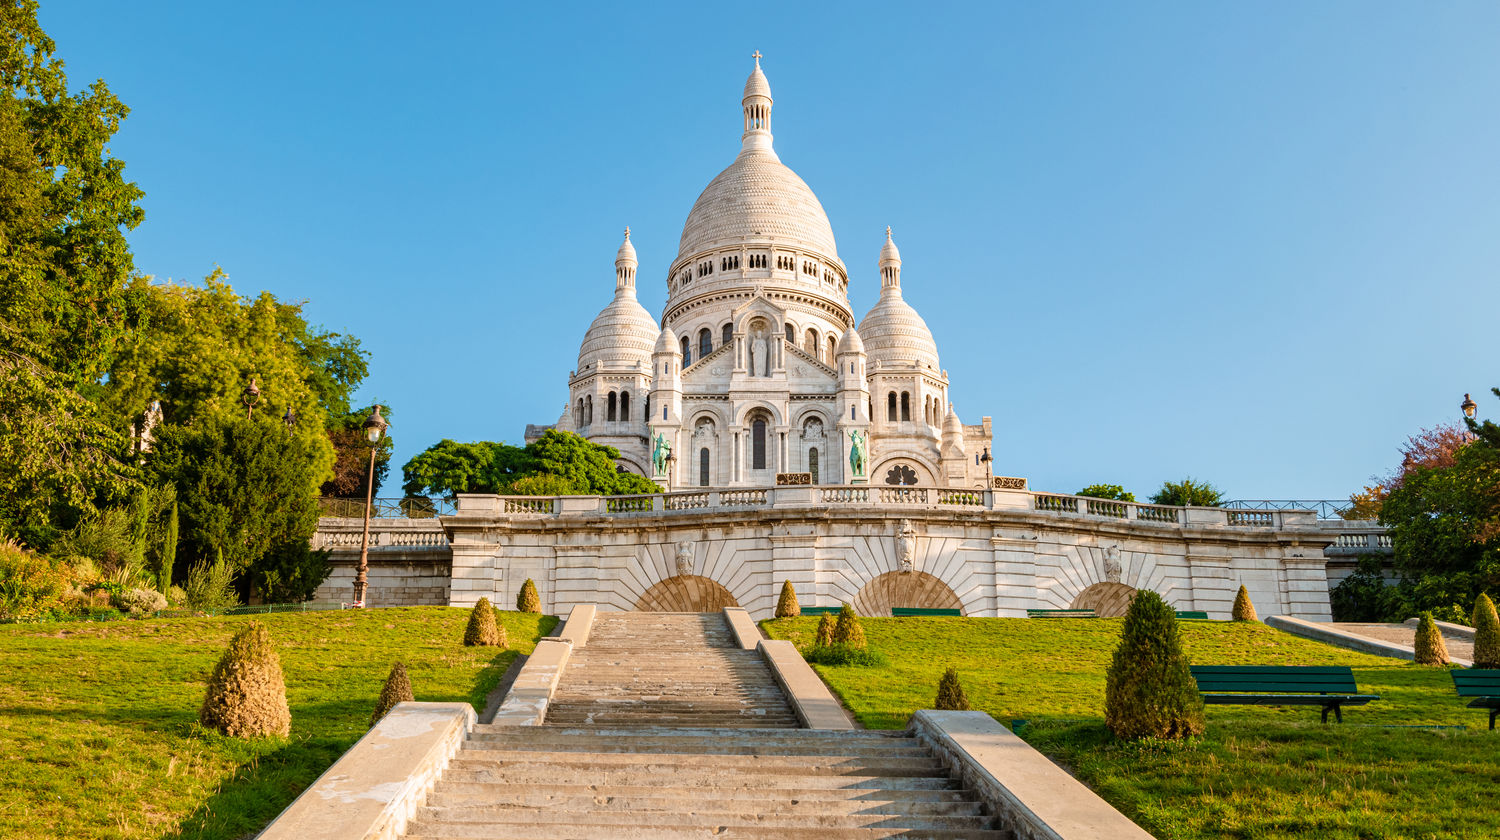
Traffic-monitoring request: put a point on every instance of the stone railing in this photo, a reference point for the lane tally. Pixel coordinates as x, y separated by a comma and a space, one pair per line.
880, 496
1357, 538
343, 534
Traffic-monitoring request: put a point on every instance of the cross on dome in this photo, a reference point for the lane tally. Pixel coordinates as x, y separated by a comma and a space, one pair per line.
756, 55
627, 231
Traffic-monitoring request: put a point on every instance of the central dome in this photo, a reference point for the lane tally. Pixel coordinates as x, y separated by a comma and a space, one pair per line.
757, 198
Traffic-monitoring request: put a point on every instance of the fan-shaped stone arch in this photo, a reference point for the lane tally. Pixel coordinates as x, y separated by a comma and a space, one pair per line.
1107, 600
904, 589
686, 593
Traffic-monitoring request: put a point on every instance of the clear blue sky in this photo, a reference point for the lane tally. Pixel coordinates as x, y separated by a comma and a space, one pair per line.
1255, 243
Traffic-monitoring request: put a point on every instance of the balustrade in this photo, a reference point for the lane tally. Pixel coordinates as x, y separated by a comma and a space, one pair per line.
686, 501
528, 504
844, 495
1157, 513
742, 498
903, 495
1105, 507
1262, 518
628, 504
967, 498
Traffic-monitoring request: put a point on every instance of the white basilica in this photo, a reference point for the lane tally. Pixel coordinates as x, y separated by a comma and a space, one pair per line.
757, 368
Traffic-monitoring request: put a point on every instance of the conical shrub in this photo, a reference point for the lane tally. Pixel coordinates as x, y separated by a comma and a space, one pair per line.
1486, 633
1149, 692
1429, 646
1244, 610
527, 600
847, 631
825, 632
787, 607
950, 696
397, 690
246, 693
482, 629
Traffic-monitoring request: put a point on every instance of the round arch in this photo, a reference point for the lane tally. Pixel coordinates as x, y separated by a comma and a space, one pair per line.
742, 412
631, 466
925, 476
686, 593
1107, 600
904, 589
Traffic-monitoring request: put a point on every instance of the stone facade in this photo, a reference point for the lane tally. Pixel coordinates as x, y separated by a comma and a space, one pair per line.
410, 563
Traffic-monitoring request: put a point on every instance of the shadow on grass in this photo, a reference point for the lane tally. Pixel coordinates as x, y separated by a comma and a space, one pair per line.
260, 788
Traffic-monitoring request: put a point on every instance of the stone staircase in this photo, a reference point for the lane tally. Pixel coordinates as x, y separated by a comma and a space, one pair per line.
667, 669
585, 784
662, 728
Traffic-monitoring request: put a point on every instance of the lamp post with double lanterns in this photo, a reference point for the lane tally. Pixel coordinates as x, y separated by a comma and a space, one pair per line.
374, 427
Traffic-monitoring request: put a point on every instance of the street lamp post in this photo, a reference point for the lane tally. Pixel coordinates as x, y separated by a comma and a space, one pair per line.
374, 428
989, 469
671, 469
289, 418
1468, 406
250, 396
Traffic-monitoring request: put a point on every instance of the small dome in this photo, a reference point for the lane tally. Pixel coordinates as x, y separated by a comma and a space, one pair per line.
894, 334
667, 342
849, 343
623, 332
888, 251
626, 254
952, 425
757, 85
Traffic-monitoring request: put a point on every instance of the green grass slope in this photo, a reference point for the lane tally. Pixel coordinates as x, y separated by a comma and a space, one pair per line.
98, 722
1259, 772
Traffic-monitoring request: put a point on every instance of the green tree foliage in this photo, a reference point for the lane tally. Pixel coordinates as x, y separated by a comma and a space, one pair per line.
244, 495
847, 631
351, 448
1188, 493
397, 689
527, 600
1365, 595
209, 586
579, 466
1445, 526
166, 557
1486, 626
1107, 491
246, 695
1149, 691
1429, 646
483, 630
786, 605
1434, 448
1244, 608
64, 208
950, 695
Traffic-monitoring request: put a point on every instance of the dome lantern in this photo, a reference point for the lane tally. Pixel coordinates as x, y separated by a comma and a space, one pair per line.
625, 265
757, 106
890, 265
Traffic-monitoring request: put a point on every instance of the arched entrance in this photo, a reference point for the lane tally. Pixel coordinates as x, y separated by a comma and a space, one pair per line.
686, 593
1107, 600
904, 589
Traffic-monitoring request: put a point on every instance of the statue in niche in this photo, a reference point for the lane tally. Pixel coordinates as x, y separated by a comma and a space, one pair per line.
758, 356
684, 558
857, 453
906, 547
659, 452
1112, 568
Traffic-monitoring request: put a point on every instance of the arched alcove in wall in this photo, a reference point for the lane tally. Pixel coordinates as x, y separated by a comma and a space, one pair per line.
1107, 600
904, 589
686, 593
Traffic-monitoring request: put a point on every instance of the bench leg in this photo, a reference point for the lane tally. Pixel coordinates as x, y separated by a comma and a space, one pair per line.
1493, 712
1338, 713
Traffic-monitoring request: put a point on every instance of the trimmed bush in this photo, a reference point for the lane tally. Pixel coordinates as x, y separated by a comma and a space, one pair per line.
787, 606
483, 630
527, 599
246, 692
1486, 633
950, 696
1244, 610
1149, 691
824, 638
847, 631
397, 690
839, 655
1429, 646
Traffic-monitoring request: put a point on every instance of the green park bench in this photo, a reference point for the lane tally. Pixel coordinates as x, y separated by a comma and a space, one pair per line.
1483, 684
1061, 614
1328, 686
901, 612
1193, 615
821, 610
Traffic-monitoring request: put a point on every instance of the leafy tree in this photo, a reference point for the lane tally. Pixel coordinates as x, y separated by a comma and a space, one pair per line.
1434, 448
1364, 595
1149, 690
1188, 493
351, 455
1107, 491
243, 493
578, 466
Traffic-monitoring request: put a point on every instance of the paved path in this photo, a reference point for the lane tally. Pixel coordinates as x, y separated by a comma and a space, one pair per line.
1401, 634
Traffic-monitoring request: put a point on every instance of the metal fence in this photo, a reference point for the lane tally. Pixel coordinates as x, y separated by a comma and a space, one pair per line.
418, 507
1325, 508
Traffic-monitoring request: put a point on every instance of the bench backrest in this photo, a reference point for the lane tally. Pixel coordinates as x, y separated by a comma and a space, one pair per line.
1060, 614
906, 611
1278, 679
821, 610
1477, 682
1201, 615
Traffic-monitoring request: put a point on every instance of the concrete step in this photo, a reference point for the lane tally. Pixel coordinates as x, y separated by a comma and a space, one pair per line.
805, 736
539, 777
592, 798
696, 746
669, 831
714, 765
689, 814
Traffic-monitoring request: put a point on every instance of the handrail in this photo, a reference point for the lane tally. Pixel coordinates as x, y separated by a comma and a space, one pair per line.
412, 507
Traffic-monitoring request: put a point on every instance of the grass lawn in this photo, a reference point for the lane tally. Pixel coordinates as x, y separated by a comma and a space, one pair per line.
1259, 772
98, 722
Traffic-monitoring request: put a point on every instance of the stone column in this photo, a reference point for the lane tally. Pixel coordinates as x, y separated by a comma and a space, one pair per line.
1307, 588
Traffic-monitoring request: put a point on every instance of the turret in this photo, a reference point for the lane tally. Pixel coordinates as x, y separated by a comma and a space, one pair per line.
666, 389
954, 455
853, 405
757, 107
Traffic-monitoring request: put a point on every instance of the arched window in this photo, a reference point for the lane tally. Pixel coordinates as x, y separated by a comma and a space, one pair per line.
610, 411
890, 406
726, 334
624, 405
812, 463
703, 467
905, 405
578, 413
758, 445
833, 352
687, 352
588, 410
811, 343
791, 334
646, 411
705, 342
